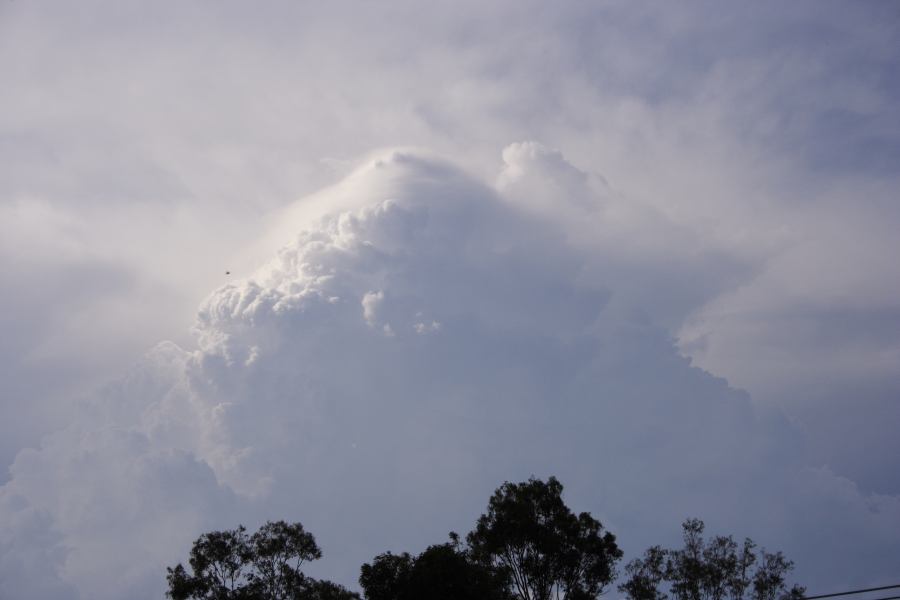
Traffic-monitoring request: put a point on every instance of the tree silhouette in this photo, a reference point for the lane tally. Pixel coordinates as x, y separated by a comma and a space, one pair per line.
528, 546
540, 546
230, 565
720, 569
441, 572
387, 578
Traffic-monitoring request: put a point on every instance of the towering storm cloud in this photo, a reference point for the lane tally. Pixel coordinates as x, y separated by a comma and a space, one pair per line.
424, 338
647, 248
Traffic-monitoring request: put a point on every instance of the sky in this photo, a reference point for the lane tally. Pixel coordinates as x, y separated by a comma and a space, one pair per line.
648, 248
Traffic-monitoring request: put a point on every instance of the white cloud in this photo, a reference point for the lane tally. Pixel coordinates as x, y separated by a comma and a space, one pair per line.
425, 328
749, 161
294, 406
370, 303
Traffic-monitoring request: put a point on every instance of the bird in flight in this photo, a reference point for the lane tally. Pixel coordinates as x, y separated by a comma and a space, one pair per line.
228, 272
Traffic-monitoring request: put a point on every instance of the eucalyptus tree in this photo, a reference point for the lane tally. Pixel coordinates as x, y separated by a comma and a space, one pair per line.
540, 546
230, 565
718, 569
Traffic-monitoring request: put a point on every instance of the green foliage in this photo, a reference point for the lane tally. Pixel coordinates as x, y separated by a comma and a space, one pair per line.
541, 547
229, 565
720, 569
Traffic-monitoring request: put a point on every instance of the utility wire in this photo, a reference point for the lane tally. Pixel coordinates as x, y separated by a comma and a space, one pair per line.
874, 589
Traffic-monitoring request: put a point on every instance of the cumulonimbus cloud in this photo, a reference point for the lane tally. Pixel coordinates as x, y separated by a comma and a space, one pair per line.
397, 360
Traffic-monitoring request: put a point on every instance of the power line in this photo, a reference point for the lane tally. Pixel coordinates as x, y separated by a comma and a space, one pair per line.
874, 589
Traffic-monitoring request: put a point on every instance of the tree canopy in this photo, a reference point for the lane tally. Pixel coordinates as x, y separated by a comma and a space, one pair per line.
230, 565
543, 549
720, 569
441, 572
528, 545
